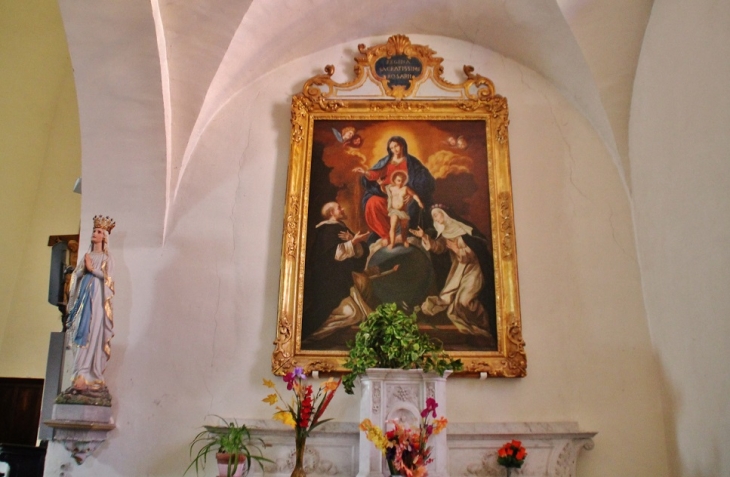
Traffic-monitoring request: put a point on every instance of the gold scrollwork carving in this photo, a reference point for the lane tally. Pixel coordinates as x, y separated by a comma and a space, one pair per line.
479, 366
299, 113
400, 106
291, 226
322, 88
506, 226
282, 356
471, 105
399, 45
321, 365
516, 362
497, 107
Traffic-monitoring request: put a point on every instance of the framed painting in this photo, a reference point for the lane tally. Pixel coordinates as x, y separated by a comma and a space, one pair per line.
399, 191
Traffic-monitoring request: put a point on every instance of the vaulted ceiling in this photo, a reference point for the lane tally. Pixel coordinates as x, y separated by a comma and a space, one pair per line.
208, 50
200, 41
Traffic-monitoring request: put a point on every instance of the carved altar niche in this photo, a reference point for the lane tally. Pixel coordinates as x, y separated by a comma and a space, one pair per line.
389, 394
458, 132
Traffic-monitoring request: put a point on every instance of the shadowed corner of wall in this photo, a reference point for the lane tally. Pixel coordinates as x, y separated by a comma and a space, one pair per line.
670, 405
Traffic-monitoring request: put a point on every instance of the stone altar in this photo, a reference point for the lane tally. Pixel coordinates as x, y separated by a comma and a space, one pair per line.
333, 449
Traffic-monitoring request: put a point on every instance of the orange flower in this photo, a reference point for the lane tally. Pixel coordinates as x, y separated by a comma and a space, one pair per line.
516, 443
419, 472
439, 424
366, 424
330, 385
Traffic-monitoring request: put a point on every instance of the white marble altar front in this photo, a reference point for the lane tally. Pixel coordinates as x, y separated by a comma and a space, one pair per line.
333, 449
401, 394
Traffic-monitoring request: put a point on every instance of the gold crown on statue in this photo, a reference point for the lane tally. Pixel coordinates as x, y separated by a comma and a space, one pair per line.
105, 223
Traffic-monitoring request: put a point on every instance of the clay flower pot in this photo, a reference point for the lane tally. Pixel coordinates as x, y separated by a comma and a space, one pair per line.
238, 471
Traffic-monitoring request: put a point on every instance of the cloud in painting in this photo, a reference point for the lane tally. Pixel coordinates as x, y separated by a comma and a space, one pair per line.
445, 163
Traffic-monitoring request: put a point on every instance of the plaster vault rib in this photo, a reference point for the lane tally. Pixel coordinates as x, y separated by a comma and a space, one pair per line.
167, 104
192, 39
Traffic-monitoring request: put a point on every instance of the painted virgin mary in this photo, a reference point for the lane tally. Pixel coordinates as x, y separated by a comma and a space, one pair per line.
90, 318
375, 201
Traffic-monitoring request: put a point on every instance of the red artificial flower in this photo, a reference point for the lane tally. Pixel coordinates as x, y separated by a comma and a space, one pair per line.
511, 454
306, 409
328, 397
430, 408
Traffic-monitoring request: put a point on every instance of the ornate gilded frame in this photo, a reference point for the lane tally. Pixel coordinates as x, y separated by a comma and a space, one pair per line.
410, 90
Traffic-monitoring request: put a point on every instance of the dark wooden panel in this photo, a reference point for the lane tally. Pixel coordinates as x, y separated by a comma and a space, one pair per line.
20, 410
24, 461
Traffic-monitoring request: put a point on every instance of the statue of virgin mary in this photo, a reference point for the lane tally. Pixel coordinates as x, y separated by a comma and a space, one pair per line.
90, 319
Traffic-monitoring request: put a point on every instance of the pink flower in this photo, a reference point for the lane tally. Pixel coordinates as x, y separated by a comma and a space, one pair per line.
431, 406
291, 377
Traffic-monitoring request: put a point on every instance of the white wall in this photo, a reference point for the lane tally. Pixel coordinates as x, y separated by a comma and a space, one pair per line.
195, 317
680, 138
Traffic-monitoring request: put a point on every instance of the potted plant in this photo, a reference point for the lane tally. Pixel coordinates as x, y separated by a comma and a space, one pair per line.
234, 447
389, 338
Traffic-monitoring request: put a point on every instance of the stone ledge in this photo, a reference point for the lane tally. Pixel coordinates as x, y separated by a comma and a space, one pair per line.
553, 448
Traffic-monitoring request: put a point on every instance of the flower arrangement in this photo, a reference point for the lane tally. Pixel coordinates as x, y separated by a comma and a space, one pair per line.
406, 450
304, 412
306, 409
511, 455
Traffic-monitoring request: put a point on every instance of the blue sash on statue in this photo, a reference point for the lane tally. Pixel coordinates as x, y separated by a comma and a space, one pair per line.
82, 310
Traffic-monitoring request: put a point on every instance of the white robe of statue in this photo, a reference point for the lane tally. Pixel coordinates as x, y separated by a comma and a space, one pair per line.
92, 353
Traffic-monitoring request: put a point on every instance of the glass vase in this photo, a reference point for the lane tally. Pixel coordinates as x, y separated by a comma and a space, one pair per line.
301, 440
393, 472
391, 467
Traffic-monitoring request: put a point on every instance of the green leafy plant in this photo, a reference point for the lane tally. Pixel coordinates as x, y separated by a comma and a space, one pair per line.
389, 338
231, 439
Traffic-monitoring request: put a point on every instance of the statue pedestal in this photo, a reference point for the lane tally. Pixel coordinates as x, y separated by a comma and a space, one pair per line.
397, 393
81, 427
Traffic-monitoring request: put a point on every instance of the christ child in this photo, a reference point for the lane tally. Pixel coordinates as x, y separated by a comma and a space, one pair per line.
399, 194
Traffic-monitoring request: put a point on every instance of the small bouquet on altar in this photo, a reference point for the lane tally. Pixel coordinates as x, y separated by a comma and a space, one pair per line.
304, 412
306, 408
406, 450
511, 455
